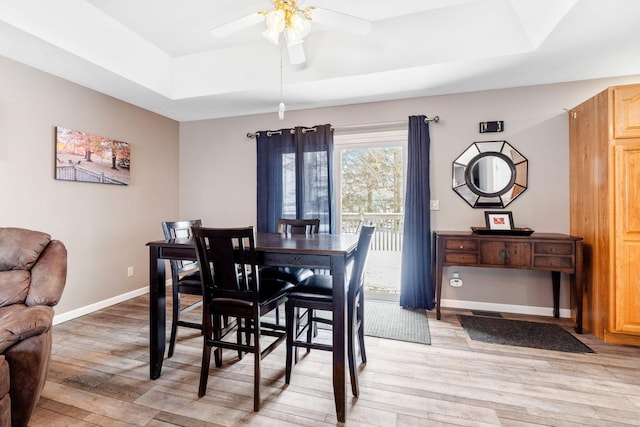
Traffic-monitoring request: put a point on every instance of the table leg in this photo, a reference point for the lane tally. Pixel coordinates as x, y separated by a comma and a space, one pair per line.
339, 337
555, 280
157, 312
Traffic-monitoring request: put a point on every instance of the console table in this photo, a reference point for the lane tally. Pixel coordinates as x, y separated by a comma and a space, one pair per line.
557, 253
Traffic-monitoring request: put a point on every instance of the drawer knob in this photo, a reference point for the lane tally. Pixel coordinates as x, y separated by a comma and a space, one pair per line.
461, 246
553, 249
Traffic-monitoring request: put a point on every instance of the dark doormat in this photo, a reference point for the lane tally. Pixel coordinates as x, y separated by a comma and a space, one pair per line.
519, 333
385, 319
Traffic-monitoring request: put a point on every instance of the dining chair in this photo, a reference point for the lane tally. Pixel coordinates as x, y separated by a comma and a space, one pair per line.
315, 293
185, 279
234, 289
292, 227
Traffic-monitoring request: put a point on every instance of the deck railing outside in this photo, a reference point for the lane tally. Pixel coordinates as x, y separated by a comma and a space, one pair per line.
388, 235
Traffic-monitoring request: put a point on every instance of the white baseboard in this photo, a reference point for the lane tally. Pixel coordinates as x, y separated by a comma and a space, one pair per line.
60, 318
445, 303
506, 308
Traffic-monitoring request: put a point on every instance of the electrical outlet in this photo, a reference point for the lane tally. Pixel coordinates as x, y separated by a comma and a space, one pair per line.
130, 272
455, 280
456, 283
434, 205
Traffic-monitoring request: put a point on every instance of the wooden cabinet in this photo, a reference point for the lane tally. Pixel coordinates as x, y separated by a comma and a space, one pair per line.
553, 252
604, 148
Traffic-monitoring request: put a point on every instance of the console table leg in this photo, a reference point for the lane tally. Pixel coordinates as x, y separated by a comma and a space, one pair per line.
555, 279
436, 274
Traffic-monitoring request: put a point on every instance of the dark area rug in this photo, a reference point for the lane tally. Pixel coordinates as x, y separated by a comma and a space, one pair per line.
520, 333
386, 319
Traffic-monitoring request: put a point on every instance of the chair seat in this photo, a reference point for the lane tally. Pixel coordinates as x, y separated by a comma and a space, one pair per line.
272, 289
318, 287
288, 274
191, 284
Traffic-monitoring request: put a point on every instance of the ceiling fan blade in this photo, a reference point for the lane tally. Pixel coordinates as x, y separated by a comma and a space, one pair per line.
342, 21
296, 53
237, 25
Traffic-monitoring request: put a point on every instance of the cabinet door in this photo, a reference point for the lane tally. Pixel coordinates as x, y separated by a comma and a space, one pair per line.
518, 254
493, 253
625, 295
626, 102
508, 254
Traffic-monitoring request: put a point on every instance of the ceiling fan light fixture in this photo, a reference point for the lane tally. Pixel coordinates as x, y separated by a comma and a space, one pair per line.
287, 18
276, 20
300, 24
272, 36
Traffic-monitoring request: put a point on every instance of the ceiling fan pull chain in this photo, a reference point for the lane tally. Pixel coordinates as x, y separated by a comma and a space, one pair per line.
281, 106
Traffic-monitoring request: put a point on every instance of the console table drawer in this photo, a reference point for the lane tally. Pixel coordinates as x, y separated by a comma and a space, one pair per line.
461, 245
553, 261
553, 248
461, 258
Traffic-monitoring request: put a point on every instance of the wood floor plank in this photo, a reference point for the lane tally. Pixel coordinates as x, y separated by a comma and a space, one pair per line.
99, 376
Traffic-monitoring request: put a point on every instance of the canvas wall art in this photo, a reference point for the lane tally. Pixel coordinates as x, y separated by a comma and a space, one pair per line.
85, 157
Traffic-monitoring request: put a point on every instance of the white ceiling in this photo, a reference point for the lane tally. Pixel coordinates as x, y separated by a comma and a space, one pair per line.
159, 54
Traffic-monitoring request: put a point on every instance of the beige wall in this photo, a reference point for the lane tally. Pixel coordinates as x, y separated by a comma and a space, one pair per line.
218, 178
105, 227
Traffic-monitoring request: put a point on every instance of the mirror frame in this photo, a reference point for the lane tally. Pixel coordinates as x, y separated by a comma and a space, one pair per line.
477, 198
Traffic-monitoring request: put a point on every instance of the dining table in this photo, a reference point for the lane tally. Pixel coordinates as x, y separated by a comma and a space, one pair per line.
332, 252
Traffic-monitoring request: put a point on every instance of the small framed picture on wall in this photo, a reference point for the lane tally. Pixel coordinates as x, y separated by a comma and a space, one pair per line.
498, 220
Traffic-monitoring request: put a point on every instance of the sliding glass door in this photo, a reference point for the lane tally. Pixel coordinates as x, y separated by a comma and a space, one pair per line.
370, 182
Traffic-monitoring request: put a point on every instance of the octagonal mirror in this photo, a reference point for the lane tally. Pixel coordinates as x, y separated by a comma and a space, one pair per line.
490, 174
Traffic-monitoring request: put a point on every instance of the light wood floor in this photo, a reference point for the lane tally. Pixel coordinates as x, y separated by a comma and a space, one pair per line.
100, 376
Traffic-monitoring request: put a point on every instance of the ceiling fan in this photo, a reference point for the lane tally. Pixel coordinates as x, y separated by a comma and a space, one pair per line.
289, 24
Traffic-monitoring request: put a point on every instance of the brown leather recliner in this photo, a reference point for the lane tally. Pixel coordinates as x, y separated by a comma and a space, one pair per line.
33, 272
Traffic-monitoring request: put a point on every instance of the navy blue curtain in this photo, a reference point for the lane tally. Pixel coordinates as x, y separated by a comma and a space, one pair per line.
295, 176
416, 286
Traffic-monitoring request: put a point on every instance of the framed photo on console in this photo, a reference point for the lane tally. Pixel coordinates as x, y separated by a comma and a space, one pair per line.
498, 220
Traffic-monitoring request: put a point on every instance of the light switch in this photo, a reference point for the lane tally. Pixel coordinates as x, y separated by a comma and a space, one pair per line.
434, 205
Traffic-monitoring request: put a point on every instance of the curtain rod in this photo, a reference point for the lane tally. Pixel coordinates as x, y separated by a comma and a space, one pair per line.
435, 119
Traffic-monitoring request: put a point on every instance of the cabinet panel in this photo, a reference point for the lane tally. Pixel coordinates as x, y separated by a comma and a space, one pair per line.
519, 254
493, 253
628, 188
627, 298
512, 254
627, 111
